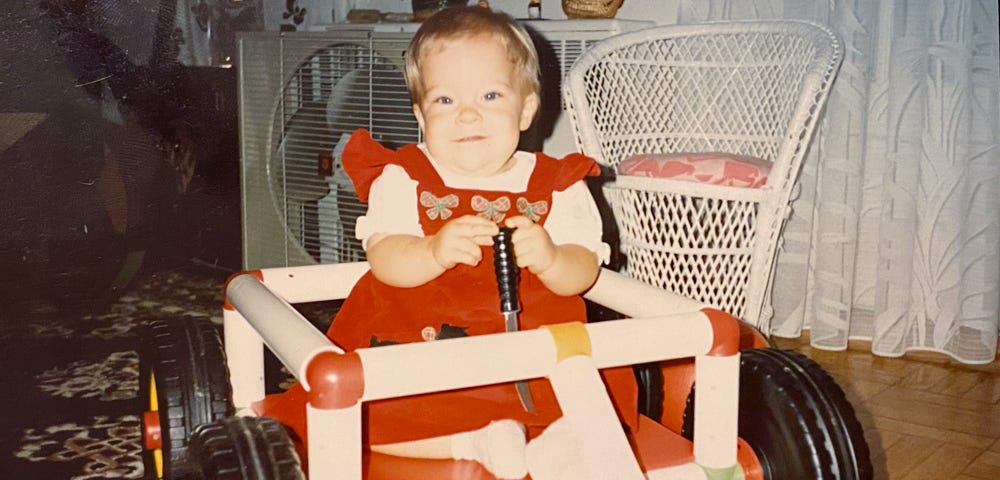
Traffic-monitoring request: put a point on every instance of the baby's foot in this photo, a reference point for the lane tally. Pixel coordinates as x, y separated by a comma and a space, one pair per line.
499, 447
555, 455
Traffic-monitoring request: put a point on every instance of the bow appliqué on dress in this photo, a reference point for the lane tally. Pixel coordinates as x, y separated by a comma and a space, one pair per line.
493, 211
532, 210
438, 207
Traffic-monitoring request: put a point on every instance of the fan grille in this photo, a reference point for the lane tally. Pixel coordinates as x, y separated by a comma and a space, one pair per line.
328, 88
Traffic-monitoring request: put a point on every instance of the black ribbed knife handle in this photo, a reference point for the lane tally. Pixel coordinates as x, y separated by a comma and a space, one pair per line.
508, 275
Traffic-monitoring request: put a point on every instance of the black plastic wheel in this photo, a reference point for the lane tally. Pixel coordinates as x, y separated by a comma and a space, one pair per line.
796, 418
245, 448
185, 379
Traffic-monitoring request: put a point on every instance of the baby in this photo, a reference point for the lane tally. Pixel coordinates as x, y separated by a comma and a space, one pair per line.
433, 210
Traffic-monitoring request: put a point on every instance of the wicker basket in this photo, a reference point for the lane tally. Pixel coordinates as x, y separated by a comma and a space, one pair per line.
591, 8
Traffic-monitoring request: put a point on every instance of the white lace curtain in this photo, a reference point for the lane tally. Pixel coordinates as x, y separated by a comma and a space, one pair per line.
895, 236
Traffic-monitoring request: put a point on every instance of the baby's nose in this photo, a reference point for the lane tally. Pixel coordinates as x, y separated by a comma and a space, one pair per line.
468, 113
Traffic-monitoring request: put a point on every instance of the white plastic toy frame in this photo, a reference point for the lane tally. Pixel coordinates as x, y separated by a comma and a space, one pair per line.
258, 312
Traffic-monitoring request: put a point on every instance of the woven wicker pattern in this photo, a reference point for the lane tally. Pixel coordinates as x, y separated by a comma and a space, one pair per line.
749, 88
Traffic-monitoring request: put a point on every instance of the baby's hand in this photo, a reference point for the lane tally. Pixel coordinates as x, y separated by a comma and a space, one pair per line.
459, 241
533, 247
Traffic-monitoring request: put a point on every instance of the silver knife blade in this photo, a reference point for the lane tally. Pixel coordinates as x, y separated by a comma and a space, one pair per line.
510, 321
523, 392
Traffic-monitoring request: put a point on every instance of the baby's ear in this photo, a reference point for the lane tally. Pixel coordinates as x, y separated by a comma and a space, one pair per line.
528, 110
420, 116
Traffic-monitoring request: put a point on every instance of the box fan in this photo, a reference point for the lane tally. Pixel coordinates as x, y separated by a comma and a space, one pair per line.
303, 93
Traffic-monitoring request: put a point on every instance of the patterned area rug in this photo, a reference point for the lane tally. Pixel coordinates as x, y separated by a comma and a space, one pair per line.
70, 403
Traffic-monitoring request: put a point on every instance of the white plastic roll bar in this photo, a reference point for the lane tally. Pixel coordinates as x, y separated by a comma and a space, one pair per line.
339, 383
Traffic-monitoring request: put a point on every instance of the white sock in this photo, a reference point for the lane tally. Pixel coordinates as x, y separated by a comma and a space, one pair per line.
499, 447
555, 455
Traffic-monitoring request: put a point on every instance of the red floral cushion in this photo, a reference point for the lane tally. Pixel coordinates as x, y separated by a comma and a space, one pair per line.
707, 167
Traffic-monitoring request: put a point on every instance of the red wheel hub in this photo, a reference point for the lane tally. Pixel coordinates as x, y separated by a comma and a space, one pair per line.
151, 434
747, 459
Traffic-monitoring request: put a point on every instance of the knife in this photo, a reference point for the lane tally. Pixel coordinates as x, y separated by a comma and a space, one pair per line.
508, 278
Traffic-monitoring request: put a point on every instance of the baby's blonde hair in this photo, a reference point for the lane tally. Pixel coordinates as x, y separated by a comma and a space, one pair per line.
464, 22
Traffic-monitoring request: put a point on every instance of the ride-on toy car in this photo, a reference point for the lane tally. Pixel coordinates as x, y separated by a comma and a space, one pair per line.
759, 413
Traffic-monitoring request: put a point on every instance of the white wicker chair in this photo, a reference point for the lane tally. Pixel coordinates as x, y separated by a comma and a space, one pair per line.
752, 88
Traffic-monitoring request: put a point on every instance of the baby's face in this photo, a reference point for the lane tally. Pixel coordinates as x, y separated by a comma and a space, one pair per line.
474, 107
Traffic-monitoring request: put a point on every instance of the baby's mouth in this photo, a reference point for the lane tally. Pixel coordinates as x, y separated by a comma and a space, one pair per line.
472, 138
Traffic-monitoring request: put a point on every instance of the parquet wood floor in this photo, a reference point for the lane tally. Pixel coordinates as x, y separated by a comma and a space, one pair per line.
926, 417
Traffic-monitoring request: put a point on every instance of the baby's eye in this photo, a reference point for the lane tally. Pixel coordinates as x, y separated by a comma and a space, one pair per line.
443, 100
491, 96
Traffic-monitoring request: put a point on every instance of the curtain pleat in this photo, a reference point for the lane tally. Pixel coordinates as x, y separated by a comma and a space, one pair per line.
895, 235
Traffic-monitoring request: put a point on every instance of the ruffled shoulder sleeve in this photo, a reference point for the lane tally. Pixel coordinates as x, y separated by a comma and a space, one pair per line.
558, 175
363, 160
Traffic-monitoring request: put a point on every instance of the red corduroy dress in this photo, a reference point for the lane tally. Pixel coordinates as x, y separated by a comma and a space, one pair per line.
462, 301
